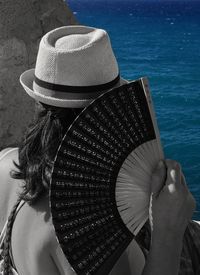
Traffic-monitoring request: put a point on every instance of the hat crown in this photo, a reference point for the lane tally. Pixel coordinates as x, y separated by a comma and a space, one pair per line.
76, 56
72, 42
79, 41
75, 64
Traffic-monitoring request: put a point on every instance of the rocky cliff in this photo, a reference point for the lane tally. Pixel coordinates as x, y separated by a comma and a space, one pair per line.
22, 24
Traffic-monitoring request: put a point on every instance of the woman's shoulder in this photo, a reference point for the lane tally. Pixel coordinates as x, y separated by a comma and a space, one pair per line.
7, 150
51, 239
33, 228
8, 188
7, 158
8, 154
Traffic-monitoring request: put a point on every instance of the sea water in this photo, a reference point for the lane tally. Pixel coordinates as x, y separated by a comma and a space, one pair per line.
160, 40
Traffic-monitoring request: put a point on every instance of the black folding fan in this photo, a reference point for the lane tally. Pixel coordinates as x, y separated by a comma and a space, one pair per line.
100, 186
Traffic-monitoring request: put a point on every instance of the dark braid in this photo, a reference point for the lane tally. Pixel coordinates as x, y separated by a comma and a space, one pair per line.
7, 241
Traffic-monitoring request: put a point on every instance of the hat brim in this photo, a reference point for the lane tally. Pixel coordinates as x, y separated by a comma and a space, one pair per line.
27, 79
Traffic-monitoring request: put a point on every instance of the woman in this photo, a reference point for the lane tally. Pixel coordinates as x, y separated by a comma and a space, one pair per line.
74, 65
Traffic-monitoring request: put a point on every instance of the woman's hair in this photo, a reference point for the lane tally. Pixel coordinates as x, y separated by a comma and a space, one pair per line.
38, 149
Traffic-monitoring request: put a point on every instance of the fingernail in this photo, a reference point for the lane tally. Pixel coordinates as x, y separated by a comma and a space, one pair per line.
173, 175
171, 188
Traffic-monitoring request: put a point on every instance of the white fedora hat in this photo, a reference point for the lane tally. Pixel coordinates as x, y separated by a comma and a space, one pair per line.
75, 64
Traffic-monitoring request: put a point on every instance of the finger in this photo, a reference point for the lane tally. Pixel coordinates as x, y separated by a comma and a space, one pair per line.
158, 178
173, 172
173, 181
183, 181
177, 176
192, 202
170, 162
184, 185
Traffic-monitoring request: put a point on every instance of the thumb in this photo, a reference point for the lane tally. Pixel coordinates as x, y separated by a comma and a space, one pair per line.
158, 178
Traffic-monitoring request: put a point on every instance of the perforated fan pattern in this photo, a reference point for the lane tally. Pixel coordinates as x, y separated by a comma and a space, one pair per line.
92, 176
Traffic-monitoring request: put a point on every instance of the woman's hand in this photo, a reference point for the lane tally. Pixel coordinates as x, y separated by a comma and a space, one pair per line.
171, 208
172, 204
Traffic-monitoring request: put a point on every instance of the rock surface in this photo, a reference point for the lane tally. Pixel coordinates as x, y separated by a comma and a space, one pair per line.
22, 24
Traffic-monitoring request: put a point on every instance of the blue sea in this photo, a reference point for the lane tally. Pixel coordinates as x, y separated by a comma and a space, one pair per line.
160, 40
